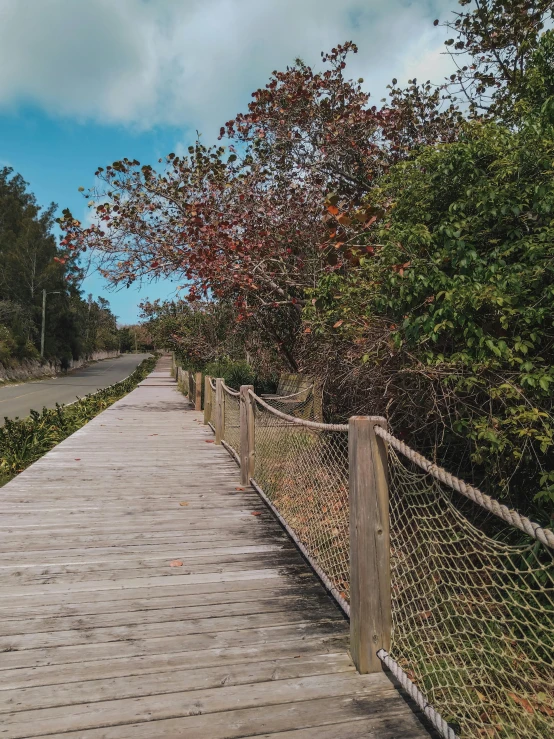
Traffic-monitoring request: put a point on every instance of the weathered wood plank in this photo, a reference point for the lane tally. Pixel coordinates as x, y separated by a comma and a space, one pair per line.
382, 718
188, 678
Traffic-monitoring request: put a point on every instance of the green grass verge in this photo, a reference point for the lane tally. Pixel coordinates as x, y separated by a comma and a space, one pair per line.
23, 441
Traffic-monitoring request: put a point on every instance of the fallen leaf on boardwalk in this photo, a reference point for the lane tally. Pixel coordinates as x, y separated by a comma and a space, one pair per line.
209, 441
176, 563
183, 503
239, 488
256, 513
152, 434
77, 459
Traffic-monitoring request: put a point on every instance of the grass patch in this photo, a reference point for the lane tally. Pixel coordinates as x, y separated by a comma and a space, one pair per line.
23, 441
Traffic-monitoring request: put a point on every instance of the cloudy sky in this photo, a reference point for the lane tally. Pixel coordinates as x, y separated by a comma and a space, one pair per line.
85, 82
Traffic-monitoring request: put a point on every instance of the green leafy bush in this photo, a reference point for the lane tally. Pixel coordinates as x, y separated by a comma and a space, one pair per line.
237, 373
459, 281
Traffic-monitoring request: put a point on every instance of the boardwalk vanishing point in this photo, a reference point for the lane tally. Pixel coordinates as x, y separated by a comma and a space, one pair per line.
144, 593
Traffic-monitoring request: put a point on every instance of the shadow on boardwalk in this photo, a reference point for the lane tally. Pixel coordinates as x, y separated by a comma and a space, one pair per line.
102, 637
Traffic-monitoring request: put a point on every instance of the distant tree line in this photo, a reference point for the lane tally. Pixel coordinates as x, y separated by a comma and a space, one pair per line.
30, 262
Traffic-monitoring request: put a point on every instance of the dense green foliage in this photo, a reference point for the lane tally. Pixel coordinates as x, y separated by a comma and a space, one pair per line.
459, 280
23, 441
30, 262
239, 372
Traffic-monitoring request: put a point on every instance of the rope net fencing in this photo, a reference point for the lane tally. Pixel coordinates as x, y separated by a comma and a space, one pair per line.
192, 387
472, 608
231, 423
302, 404
303, 471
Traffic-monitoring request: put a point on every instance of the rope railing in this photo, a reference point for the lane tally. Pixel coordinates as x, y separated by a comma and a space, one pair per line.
305, 391
298, 421
458, 605
305, 403
545, 536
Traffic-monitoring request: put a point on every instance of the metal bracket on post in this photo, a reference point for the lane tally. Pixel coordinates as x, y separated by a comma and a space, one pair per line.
370, 587
246, 434
207, 400
219, 412
198, 387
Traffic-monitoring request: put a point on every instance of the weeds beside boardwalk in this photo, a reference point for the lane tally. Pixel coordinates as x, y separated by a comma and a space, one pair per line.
23, 441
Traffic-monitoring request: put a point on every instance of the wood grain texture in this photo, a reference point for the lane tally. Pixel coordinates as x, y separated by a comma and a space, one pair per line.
100, 636
370, 596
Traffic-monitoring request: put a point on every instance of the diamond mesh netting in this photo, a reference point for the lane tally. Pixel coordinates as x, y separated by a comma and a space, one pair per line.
231, 425
473, 612
302, 404
303, 472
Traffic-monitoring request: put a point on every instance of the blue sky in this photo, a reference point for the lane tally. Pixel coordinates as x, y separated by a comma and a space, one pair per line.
86, 82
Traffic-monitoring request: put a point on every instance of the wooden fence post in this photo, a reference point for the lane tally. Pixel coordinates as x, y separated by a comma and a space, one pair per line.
370, 593
207, 400
186, 382
246, 434
219, 412
198, 387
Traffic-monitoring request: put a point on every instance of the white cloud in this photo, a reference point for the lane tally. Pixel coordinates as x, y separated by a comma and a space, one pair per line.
193, 62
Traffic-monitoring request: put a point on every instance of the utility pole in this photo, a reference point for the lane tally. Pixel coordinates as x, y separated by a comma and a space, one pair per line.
44, 294
43, 323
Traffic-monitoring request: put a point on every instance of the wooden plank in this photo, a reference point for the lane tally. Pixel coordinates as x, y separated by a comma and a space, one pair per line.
190, 677
132, 617
152, 630
61, 674
131, 647
138, 600
382, 717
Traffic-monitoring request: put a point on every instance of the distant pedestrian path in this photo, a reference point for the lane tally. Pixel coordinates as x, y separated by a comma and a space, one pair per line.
19, 400
144, 592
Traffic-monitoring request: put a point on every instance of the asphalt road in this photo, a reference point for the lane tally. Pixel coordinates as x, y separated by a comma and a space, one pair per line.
18, 400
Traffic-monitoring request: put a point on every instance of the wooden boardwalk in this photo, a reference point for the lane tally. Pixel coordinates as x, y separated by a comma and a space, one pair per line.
100, 636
